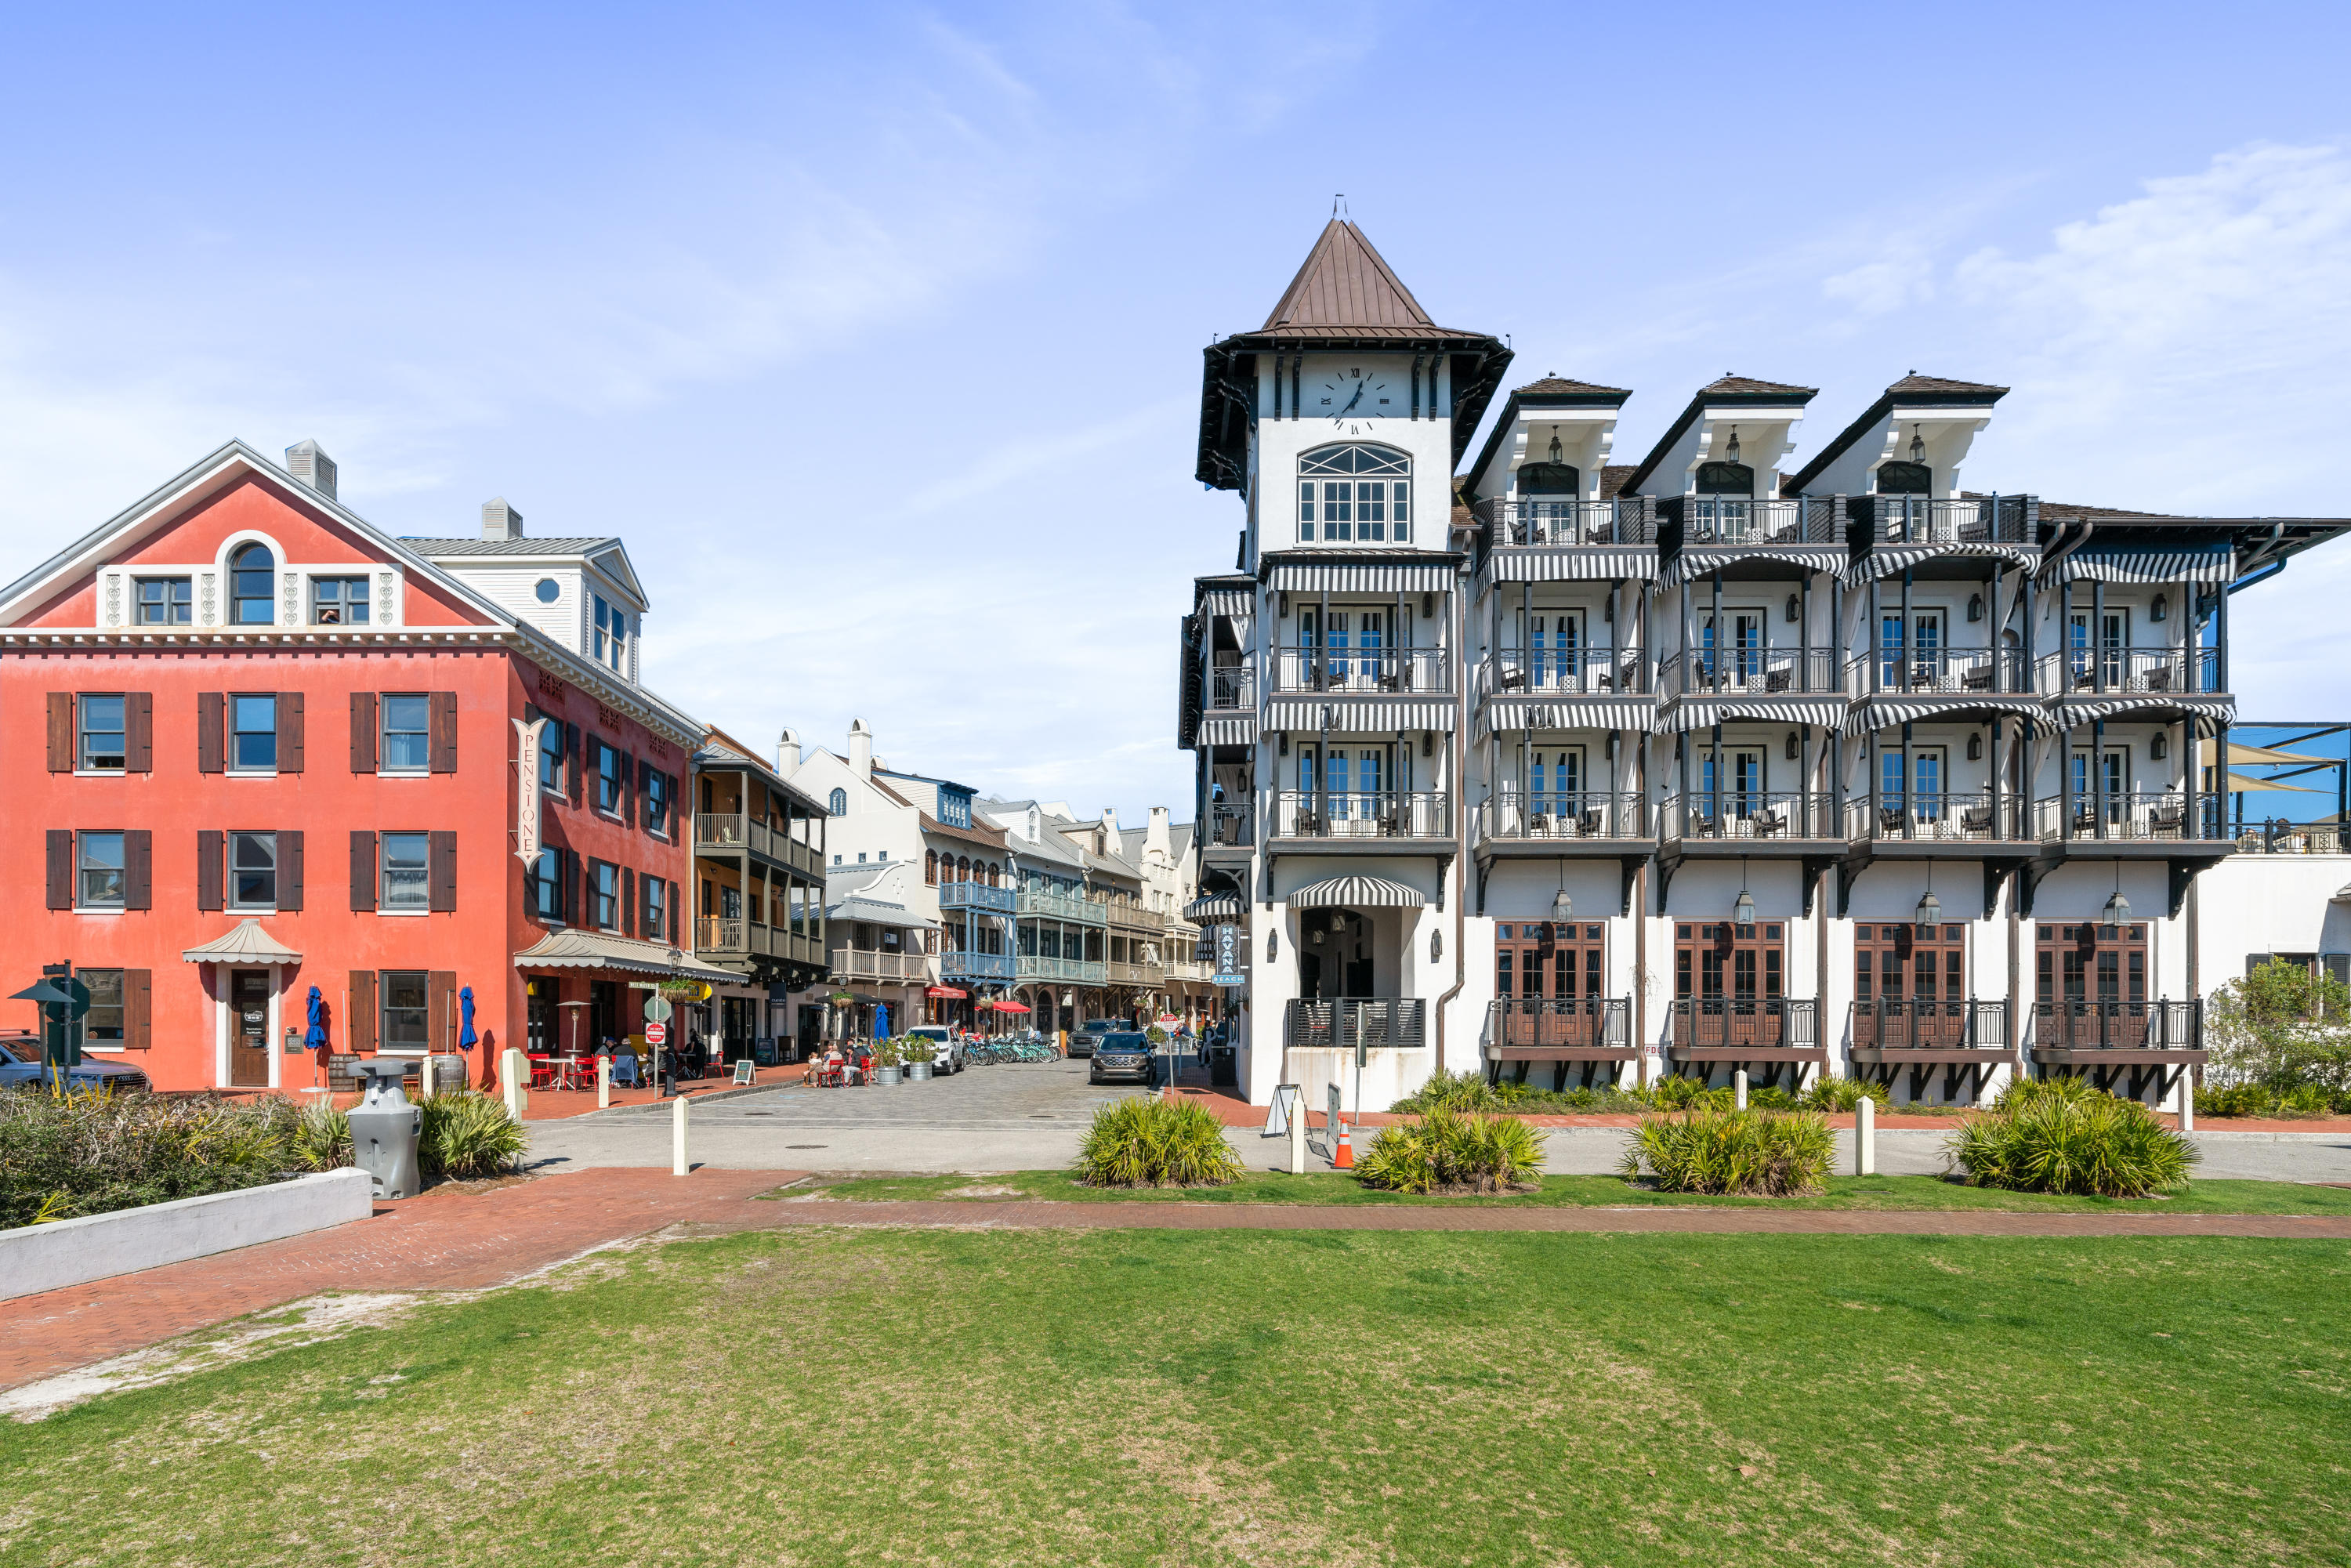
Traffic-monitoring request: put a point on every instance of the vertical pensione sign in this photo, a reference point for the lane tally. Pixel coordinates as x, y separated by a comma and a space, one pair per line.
526, 741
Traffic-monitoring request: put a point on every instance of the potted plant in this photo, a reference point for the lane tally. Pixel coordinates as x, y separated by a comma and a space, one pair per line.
885, 1062
919, 1053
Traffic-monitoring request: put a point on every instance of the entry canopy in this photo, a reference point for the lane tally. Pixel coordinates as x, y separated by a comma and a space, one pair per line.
248, 944
1357, 892
1214, 906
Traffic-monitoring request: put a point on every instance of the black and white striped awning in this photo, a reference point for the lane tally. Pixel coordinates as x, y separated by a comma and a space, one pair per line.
1228, 601
1637, 563
2119, 563
1362, 576
1705, 712
1229, 729
1212, 908
1500, 713
2208, 711
1883, 713
1887, 563
1692, 564
1358, 714
1357, 892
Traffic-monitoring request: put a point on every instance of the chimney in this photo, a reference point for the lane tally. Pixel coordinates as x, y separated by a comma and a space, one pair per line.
861, 750
307, 463
1110, 821
788, 754
1155, 837
500, 521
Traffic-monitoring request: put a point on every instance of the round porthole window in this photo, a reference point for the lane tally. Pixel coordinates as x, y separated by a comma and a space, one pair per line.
549, 590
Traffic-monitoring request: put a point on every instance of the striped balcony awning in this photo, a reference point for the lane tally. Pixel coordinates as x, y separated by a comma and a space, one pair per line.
2210, 712
1232, 729
2119, 563
1358, 714
1228, 601
1883, 713
1211, 908
1705, 712
1692, 564
1601, 563
1887, 563
1499, 714
1362, 576
1357, 892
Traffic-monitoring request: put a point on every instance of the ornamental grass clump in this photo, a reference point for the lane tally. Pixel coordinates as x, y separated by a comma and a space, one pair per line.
466, 1136
1464, 1091
1148, 1142
1752, 1153
1454, 1152
88, 1151
2063, 1135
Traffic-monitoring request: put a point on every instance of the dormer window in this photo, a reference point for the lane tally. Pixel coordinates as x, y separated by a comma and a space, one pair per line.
1354, 495
1904, 479
253, 577
1726, 479
611, 635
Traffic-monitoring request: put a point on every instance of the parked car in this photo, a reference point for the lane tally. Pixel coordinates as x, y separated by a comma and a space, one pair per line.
944, 1041
1121, 1054
1088, 1036
20, 1062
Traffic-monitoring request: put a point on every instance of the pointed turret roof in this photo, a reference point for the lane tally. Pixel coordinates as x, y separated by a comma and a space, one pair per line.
1346, 285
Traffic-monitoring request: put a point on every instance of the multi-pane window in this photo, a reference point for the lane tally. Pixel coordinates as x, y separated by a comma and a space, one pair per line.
608, 896
407, 871
1354, 495
544, 887
99, 719
1726, 959
407, 1010
608, 763
839, 803
611, 635
253, 733
163, 601
407, 733
656, 803
339, 600
103, 1023
252, 870
252, 586
97, 860
1556, 962
656, 909
551, 753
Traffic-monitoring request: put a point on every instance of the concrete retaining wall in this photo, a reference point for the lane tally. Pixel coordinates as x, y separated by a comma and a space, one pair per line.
75, 1251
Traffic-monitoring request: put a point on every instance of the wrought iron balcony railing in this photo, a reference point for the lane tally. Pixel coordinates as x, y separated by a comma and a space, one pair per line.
1381, 1023
976, 895
1770, 671
2128, 816
1735, 520
2276, 836
1232, 687
1367, 670
2125, 670
1926, 520
955, 964
1588, 814
1563, 522
1363, 814
1082, 971
1562, 672
2074, 1025
1958, 671
1593, 1022
1718, 1023
1909, 1024
1976, 815
1750, 814
1232, 824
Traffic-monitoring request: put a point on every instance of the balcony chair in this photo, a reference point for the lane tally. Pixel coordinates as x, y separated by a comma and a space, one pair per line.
1891, 820
1975, 821
1512, 681
1309, 825
1977, 679
1778, 680
2164, 822
1587, 825
2157, 680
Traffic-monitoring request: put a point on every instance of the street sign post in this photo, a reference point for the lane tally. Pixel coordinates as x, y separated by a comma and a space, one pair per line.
657, 1010
656, 1034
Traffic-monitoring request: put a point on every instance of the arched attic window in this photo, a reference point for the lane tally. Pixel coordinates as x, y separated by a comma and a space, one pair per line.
1726, 479
1550, 479
1904, 479
1353, 494
251, 591
840, 803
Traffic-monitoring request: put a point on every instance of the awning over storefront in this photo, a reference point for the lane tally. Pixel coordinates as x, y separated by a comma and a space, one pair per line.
1005, 1007
609, 951
945, 994
248, 944
1211, 907
1357, 892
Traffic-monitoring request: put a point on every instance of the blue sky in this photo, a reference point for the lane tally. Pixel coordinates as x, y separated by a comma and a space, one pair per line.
875, 330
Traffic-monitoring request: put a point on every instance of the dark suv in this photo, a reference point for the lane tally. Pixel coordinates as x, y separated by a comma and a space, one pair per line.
1124, 1054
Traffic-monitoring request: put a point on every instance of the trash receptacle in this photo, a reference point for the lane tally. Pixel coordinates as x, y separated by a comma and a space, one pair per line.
386, 1126
1224, 1067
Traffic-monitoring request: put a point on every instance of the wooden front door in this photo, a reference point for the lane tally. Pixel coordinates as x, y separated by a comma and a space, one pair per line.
1549, 979
1912, 984
248, 1029
2090, 985
1727, 981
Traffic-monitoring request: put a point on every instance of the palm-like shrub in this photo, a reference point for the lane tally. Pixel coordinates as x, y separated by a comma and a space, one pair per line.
1464, 1091
1148, 1142
1755, 1152
321, 1138
2063, 1135
1830, 1093
1453, 1150
84, 1151
465, 1137
1679, 1094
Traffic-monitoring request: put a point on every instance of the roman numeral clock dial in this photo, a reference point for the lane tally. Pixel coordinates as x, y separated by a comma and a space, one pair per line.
1353, 398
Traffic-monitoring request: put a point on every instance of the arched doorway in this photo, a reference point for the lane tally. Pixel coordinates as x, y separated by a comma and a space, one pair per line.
1335, 955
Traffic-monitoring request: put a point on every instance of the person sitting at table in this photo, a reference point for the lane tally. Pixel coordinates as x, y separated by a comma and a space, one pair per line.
624, 1065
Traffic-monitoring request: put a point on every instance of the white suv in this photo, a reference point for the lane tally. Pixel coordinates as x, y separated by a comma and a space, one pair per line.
949, 1057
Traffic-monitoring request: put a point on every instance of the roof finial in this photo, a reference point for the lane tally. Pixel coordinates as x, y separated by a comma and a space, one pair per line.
1339, 205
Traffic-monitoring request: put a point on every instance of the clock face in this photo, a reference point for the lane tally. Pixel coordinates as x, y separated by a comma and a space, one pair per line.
1353, 397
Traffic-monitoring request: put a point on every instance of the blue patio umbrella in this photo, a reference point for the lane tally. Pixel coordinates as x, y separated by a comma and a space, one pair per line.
316, 1017
467, 1038
882, 1020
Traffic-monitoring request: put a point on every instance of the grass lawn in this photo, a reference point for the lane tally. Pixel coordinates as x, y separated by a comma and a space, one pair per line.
1879, 1192
1263, 1398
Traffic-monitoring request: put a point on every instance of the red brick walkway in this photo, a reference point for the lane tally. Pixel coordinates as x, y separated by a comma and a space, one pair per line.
441, 1241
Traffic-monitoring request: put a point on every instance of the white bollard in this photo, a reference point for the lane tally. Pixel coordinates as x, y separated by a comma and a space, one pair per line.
1298, 1137
2187, 1099
1864, 1137
424, 1077
603, 1083
513, 1077
1739, 1087
677, 1137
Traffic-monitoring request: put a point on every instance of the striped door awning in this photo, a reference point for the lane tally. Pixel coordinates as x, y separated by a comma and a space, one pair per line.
1358, 714
1357, 892
1362, 576
1902, 557
1228, 601
2210, 712
1883, 713
1692, 564
1212, 908
1230, 729
1705, 712
2118, 563
1567, 712
1588, 564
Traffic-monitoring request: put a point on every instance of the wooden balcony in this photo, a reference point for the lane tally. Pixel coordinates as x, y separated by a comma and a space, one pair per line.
1590, 1031
721, 939
879, 964
2153, 1042
1966, 1038
1770, 1032
723, 831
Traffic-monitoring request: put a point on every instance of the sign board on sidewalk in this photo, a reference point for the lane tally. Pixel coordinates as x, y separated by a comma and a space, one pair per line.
656, 1034
657, 1009
1284, 1106
1334, 1110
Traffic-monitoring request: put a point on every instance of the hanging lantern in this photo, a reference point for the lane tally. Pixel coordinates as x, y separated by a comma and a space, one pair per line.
1917, 446
1931, 911
1562, 907
2117, 907
1731, 451
1558, 453
1742, 914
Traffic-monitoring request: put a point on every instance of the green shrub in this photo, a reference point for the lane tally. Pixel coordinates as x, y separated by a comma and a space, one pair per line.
1754, 1152
1454, 1151
89, 1152
1149, 1142
321, 1138
465, 1137
2063, 1135
1772, 1097
1678, 1094
1465, 1090
1829, 1093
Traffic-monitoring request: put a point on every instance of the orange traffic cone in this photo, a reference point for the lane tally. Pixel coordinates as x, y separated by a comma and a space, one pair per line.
1346, 1152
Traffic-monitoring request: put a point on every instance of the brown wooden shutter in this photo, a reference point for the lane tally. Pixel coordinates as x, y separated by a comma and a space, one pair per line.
628, 788
289, 732
61, 732
363, 732
209, 851
139, 869
139, 732
445, 732
362, 871
210, 750
442, 1030
289, 872
575, 760
61, 868
443, 864
138, 1008
628, 902
358, 1030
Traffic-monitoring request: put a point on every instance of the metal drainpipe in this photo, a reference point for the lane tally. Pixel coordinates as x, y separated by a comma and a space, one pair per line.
1457, 624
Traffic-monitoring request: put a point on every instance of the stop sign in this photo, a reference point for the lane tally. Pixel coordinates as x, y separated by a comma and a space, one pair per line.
656, 1033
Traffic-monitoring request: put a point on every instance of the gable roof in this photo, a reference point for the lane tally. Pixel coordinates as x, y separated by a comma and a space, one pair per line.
721, 750
1560, 386
1728, 390
606, 553
1551, 392
1914, 390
